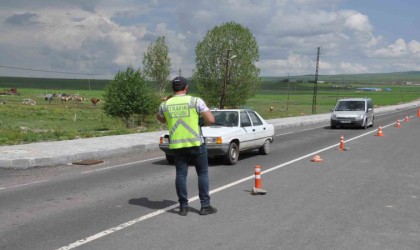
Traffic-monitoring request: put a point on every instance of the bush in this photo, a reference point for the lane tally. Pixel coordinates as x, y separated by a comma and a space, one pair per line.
128, 96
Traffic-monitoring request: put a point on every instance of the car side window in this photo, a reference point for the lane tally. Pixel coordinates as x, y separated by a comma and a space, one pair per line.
255, 119
245, 121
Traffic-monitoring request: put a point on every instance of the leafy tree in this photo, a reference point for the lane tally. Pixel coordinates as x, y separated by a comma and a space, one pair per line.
157, 64
129, 95
218, 48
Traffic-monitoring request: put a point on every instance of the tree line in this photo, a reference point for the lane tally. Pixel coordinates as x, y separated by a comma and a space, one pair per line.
225, 75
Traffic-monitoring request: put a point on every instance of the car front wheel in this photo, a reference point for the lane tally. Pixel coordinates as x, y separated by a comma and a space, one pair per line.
265, 148
365, 125
232, 155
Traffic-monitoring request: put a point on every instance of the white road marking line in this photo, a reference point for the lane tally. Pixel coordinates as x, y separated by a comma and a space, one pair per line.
299, 131
151, 215
121, 165
115, 229
21, 185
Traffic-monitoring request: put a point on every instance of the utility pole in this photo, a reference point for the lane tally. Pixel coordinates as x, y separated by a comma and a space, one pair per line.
288, 90
315, 84
223, 97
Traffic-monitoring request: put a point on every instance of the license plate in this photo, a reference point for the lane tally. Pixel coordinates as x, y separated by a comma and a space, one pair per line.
345, 121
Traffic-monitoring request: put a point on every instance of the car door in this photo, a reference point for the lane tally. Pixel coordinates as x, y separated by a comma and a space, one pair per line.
259, 128
248, 136
369, 113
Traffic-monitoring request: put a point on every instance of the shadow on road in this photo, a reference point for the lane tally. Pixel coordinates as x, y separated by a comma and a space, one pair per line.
145, 202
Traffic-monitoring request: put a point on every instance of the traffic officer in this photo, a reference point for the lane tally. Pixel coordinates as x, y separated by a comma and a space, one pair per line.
182, 113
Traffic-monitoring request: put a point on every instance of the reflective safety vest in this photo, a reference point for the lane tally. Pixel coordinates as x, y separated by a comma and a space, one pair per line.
182, 117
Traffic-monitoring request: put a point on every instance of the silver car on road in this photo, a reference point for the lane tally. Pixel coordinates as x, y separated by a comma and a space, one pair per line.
234, 131
356, 112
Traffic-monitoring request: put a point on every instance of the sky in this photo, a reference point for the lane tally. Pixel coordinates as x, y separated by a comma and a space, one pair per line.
97, 38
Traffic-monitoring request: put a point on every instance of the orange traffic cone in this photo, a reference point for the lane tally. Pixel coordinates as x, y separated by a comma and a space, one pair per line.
341, 143
398, 124
257, 176
379, 133
257, 187
418, 112
406, 118
317, 158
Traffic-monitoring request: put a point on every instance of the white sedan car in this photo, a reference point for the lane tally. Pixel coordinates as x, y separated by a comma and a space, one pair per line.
234, 131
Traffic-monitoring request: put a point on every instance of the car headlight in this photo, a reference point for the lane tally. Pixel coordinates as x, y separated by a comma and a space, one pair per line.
213, 140
333, 116
361, 116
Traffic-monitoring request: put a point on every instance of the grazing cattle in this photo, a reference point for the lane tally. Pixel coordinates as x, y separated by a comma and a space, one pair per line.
95, 100
28, 102
65, 98
77, 99
49, 98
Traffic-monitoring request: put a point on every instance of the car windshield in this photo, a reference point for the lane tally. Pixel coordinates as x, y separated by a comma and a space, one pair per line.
351, 106
225, 118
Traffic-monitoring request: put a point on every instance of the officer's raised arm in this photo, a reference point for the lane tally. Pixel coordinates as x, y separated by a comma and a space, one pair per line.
208, 117
160, 118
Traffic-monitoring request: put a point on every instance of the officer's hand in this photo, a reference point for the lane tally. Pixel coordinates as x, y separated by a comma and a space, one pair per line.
201, 121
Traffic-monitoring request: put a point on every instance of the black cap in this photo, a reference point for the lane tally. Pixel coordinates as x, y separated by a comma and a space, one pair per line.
179, 83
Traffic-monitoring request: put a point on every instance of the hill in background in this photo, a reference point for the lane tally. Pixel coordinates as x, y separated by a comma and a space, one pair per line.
52, 83
374, 78
89, 84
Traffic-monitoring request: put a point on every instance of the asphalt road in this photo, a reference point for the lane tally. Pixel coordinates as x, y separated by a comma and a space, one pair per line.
366, 197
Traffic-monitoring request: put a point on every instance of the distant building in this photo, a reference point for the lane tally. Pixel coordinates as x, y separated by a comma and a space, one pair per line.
369, 89
412, 83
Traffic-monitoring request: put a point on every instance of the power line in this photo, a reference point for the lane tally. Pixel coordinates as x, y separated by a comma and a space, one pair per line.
52, 71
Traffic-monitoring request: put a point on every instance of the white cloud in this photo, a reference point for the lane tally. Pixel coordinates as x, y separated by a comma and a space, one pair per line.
104, 36
352, 68
396, 49
414, 47
399, 56
297, 64
90, 41
358, 22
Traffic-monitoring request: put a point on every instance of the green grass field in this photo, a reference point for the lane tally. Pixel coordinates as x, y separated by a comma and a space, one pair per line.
297, 100
23, 123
